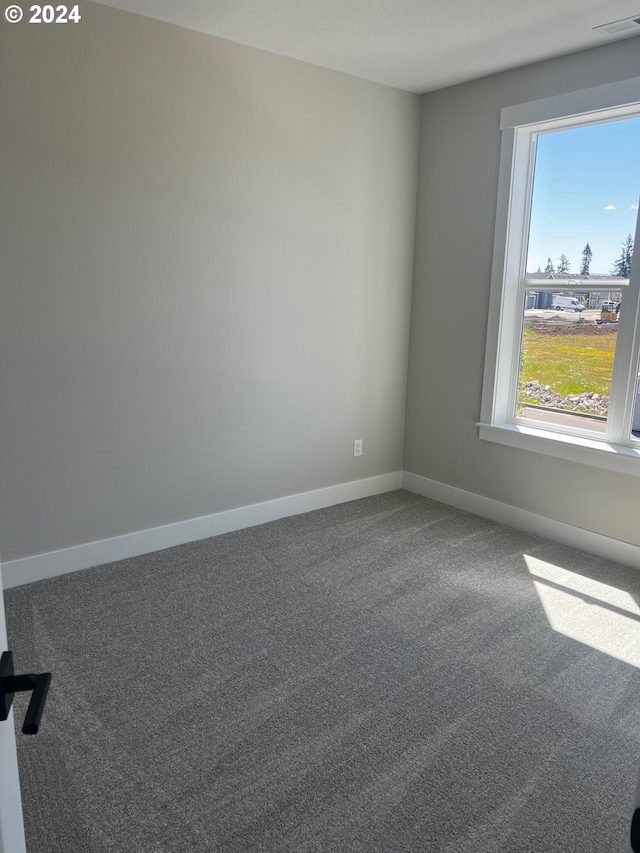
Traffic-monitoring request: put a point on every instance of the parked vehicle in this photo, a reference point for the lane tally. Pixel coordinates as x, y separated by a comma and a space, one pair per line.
566, 303
608, 313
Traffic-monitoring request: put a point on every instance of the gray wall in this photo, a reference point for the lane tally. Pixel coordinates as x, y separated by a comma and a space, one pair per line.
207, 258
454, 237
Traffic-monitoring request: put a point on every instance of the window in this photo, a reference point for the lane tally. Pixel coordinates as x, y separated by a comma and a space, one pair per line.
563, 347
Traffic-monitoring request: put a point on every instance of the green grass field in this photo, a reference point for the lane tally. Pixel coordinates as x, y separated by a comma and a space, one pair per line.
570, 364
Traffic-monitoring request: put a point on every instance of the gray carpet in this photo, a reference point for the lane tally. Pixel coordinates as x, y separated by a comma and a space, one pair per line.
381, 675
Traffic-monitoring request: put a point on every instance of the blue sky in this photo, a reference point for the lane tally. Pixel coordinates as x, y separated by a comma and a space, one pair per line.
586, 190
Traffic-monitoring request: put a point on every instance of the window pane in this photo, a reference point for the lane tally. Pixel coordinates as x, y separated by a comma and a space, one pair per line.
635, 422
585, 203
566, 360
584, 207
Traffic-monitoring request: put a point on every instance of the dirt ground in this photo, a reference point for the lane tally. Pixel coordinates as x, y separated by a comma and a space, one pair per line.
552, 327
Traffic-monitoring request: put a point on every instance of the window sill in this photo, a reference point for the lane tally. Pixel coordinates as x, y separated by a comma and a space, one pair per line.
602, 454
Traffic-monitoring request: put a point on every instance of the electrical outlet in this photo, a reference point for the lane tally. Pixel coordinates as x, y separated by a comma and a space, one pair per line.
357, 447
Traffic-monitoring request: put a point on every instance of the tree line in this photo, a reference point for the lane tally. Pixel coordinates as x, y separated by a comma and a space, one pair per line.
621, 266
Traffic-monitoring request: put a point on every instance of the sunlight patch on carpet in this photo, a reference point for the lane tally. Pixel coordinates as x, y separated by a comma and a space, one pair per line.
586, 610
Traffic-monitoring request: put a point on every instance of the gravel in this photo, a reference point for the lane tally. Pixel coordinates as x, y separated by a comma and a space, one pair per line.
544, 395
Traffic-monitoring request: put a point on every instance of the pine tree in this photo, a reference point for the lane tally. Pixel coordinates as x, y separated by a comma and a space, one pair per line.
587, 254
622, 267
563, 264
549, 267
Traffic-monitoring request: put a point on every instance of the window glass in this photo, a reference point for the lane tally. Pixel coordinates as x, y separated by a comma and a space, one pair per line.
566, 360
585, 201
584, 206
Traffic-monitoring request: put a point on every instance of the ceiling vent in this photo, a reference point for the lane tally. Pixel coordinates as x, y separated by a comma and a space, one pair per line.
616, 28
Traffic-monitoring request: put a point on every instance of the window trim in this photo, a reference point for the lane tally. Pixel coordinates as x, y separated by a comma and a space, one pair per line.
519, 126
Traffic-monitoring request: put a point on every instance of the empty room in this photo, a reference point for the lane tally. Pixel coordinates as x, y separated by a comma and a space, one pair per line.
320, 426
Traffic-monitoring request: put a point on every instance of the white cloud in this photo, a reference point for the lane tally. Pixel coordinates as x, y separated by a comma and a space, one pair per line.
633, 207
609, 207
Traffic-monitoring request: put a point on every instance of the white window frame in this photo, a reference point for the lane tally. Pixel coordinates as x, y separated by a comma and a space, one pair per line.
520, 126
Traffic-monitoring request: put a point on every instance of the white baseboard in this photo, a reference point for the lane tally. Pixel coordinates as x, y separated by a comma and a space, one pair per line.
583, 540
54, 563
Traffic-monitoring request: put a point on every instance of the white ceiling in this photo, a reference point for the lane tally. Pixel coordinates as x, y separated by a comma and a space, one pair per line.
417, 45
